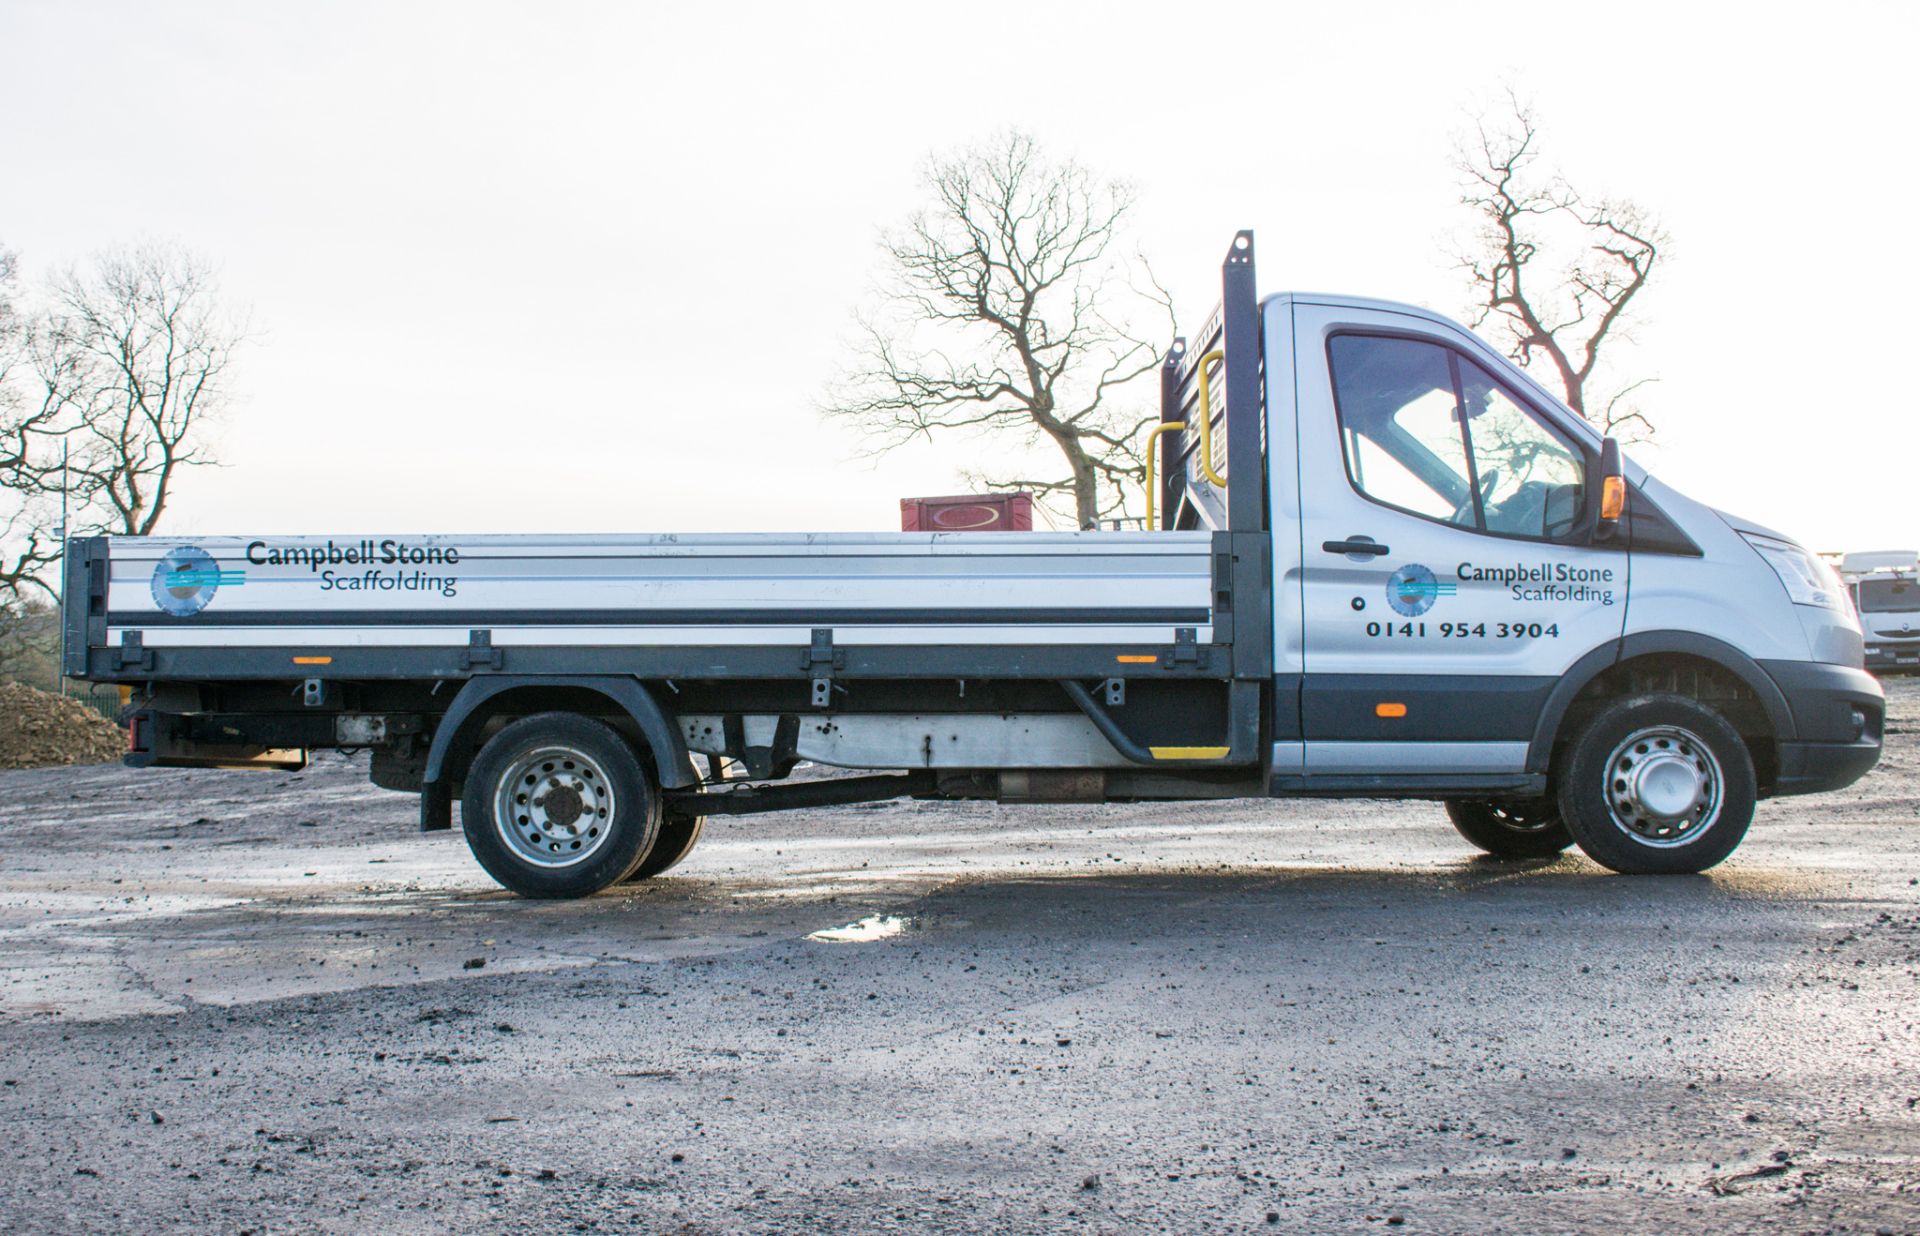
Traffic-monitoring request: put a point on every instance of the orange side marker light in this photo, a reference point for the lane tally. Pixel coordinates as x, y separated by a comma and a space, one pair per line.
1613, 497
1389, 710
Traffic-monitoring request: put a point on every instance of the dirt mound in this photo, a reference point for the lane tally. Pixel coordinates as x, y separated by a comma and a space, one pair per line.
38, 728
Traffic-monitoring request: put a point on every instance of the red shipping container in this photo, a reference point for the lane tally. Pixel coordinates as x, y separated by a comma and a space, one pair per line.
968, 513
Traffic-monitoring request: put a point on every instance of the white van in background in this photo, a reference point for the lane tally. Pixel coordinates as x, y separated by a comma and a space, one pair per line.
1885, 586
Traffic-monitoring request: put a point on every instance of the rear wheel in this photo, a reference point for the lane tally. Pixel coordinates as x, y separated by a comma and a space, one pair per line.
679, 833
559, 805
1529, 828
1657, 784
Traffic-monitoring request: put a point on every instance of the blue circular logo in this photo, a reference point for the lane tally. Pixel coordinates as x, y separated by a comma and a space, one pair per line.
1412, 590
185, 580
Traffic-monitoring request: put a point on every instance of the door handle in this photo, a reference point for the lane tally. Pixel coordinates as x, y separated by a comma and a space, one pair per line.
1356, 545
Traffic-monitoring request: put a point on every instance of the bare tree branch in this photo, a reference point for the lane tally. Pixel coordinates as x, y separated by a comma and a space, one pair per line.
105, 392
1005, 313
1557, 272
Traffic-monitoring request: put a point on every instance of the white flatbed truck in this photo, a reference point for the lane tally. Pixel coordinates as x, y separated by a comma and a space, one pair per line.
1384, 562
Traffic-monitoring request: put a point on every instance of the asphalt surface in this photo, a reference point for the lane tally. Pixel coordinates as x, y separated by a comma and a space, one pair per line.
257, 1002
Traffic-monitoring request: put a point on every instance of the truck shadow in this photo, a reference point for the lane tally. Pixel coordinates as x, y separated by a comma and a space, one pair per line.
341, 939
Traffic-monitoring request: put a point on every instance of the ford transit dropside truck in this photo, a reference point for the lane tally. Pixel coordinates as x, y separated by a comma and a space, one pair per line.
1383, 561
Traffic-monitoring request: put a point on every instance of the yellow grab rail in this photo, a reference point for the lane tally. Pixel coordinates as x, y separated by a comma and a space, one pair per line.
1153, 471
1206, 439
1206, 420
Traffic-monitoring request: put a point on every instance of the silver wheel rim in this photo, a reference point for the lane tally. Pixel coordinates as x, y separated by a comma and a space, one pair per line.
1664, 786
1515, 819
554, 807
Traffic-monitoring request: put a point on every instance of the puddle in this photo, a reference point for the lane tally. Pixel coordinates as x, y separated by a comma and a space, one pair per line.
866, 931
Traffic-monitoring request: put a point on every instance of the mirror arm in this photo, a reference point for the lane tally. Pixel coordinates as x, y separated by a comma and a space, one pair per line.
1613, 491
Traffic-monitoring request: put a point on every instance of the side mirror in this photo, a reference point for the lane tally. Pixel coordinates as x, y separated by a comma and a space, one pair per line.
1613, 492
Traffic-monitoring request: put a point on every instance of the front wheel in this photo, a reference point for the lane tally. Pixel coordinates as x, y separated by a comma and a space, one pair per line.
1657, 784
1519, 829
559, 805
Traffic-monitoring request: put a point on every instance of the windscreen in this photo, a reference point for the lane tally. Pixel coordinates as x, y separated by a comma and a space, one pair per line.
1885, 596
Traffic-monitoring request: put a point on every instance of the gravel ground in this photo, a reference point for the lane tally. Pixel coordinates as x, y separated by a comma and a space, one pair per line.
250, 1002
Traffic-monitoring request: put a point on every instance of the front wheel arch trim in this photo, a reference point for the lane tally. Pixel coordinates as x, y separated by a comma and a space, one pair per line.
1650, 643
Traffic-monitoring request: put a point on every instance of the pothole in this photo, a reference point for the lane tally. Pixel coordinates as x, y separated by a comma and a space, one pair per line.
865, 931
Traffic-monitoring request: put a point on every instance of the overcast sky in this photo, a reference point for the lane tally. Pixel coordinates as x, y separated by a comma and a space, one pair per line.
589, 266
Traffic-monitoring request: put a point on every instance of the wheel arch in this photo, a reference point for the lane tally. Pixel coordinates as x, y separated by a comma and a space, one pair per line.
1762, 715
457, 737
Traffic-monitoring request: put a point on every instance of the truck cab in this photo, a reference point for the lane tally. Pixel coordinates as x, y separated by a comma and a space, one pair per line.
1453, 599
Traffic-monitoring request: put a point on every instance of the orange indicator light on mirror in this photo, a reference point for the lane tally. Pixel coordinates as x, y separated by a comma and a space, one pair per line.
1613, 497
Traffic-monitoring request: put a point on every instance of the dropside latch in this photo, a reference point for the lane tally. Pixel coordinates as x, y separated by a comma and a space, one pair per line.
820, 661
1186, 646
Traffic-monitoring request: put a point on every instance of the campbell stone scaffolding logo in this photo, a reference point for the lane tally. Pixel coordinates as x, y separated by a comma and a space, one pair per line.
1413, 589
185, 580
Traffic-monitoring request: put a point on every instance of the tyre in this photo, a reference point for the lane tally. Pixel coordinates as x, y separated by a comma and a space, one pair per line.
1520, 828
559, 805
679, 833
1657, 784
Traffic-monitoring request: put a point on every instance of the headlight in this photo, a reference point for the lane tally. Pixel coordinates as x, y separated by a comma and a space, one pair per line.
1807, 579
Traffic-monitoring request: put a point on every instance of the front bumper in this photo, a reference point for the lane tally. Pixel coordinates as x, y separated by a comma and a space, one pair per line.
1838, 714
1816, 767
1903, 655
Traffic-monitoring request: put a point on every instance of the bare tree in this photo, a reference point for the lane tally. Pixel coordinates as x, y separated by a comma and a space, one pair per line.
140, 349
27, 547
1557, 270
1006, 312
105, 391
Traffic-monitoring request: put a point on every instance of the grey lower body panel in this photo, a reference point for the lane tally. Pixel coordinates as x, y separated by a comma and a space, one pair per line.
1401, 758
1403, 770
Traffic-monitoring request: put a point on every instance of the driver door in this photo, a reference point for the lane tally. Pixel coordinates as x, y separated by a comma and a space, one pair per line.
1449, 577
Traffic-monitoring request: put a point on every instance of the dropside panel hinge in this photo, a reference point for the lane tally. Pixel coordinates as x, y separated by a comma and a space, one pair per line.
133, 652
481, 654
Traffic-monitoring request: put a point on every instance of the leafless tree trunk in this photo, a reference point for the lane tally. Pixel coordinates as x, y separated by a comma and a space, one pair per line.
1557, 270
105, 391
1006, 312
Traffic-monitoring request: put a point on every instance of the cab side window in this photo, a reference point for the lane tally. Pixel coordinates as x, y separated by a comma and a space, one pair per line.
1399, 426
1531, 479
1431, 433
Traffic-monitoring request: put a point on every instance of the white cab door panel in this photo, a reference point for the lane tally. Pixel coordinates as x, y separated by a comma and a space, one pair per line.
1446, 578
